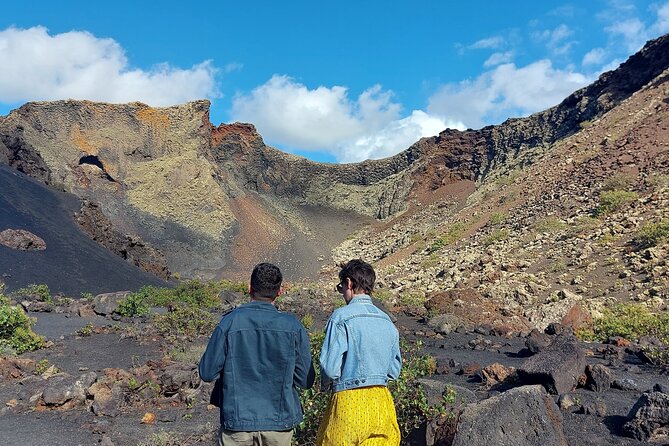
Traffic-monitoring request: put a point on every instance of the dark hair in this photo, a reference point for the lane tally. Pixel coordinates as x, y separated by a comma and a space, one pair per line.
361, 273
266, 281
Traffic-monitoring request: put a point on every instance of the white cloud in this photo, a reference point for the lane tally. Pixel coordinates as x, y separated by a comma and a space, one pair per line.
596, 56
489, 42
627, 33
395, 136
556, 39
78, 65
233, 66
325, 119
633, 32
505, 91
498, 58
661, 25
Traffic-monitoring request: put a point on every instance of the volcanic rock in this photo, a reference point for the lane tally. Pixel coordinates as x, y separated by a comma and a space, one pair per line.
650, 413
524, 416
22, 240
558, 367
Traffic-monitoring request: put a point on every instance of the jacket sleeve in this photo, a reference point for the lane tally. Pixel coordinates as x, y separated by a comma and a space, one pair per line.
305, 374
396, 360
335, 345
213, 358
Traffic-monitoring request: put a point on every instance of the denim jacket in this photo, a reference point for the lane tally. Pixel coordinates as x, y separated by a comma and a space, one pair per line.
260, 357
361, 346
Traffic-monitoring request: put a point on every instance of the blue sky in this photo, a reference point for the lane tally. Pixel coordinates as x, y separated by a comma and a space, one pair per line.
340, 81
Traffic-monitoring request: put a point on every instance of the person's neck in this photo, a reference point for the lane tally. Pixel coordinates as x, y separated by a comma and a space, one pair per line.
253, 299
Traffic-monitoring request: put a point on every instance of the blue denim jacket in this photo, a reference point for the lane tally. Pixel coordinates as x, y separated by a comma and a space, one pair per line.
361, 346
261, 356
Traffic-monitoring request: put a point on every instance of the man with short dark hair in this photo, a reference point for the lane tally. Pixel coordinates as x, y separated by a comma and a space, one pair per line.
260, 358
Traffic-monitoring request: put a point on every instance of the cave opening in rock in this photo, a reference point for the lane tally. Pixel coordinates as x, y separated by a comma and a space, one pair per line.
91, 159
95, 161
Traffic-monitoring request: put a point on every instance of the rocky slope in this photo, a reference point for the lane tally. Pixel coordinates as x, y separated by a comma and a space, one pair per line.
53, 249
540, 233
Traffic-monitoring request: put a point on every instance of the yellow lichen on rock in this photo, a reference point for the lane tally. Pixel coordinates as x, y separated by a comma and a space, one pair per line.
182, 189
155, 118
82, 141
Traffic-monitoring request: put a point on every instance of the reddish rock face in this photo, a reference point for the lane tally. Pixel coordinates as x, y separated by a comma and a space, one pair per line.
577, 318
22, 240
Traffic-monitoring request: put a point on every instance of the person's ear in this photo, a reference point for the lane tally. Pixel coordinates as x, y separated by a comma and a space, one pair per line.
349, 283
281, 291
250, 289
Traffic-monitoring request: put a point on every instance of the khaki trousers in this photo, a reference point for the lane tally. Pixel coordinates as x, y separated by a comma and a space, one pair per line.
258, 438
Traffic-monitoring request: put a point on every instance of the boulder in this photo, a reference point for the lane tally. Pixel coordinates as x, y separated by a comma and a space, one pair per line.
650, 413
107, 303
16, 368
523, 416
495, 373
598, 378
597, 408
445, 323
107, 398
577, 318
179, 378
626, 384
435, 390
230, 299
558, 367
21, 240
64, 389
537, 341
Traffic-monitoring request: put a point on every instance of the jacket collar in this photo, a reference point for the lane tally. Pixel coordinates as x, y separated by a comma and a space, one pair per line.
260, 305
363, 298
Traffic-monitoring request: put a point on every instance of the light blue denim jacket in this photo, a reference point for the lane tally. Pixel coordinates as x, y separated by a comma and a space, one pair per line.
361, 347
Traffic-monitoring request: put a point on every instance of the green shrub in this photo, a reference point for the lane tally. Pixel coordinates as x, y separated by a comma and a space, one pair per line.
307, 320
133, 306
16, 329
607, 239
652, 234
187, 352
509, 178
191, 292
87, 296
437, 245
497, 218
38, 291
550, 224
383, 294
657, 181
86, 330
630, 321
431, 261
619, 182
186, 320
452, 235
411, 299
611, 201
42, 366
497, 235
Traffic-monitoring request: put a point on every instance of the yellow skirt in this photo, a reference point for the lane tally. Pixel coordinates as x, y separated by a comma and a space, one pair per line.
363, 416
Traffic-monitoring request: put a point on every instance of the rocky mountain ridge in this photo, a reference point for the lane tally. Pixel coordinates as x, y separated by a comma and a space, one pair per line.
214, 200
